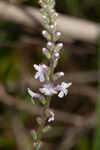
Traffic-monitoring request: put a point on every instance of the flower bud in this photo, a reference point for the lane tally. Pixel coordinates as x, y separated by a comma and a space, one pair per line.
50, 46
46, 35
56, 55
56, 14
46, 53
58, 47
58, 75
57, 36
42, 3
52, 28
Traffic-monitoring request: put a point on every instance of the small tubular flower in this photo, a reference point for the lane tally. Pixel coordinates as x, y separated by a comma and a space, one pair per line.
41, 72
63, 89
33, 94
48, 89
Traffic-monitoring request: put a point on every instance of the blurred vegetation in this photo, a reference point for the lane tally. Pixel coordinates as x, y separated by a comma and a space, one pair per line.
16, 60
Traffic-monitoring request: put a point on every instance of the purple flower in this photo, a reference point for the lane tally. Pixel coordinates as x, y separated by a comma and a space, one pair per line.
33, 94
48, 89
63, 89
41, 72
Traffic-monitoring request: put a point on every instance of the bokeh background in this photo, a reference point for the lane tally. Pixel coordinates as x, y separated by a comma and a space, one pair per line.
77, 124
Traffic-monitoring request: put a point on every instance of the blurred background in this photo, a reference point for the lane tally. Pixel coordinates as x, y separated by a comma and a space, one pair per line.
77, 124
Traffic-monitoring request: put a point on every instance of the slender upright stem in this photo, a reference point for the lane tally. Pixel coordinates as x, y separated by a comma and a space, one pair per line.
46, 106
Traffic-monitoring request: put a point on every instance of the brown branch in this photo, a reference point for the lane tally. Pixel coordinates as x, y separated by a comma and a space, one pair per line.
73, 134
75, 120
70, 27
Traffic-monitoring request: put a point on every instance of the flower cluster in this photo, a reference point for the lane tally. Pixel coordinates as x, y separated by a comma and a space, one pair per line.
46, 73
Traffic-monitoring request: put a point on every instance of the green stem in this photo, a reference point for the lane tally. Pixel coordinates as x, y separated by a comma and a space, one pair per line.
47, 105
44, 118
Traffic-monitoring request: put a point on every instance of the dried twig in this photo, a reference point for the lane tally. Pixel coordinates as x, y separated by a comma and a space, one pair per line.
73, 134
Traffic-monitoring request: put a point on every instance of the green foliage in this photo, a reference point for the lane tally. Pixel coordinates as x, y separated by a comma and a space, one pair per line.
97, 133
74, 7
83, 144
7, 144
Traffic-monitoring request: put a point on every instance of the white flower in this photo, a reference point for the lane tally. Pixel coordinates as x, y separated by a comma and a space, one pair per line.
33, 94
63, 89
52, 116
41, 71
48, 89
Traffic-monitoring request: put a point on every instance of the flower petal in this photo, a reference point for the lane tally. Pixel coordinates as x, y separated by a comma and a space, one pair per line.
36, 67
53, 91
42, 79
65, 91
61, 94
66, 85
41, 90
31, 93
32, 101
37, 75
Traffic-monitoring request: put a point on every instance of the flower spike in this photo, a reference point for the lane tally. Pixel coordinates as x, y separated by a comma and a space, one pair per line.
45, 73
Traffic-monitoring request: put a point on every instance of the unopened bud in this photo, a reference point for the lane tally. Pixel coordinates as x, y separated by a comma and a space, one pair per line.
60, 74
41, 2
44, 50
56, 14
57, 36
46, 53
58, 47
52, 28
44, 17
50, 46
56, 54
46, 35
